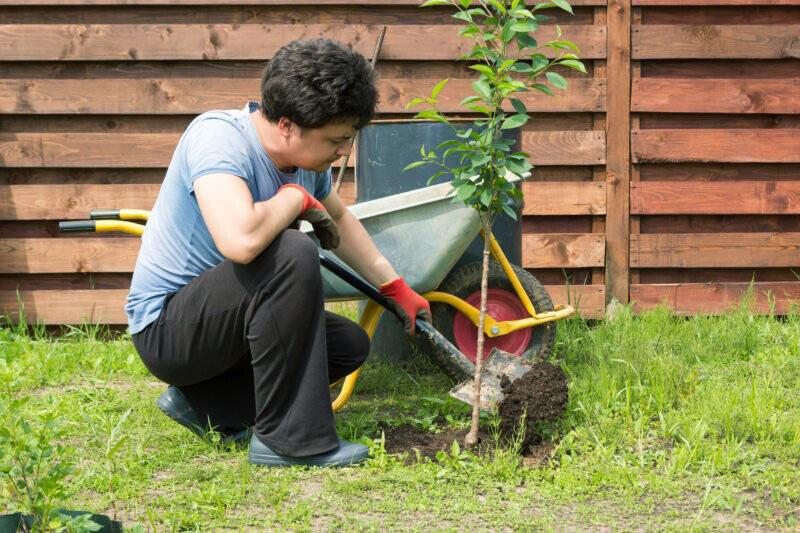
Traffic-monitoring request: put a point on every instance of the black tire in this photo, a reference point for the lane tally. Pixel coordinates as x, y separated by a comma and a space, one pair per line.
467, 280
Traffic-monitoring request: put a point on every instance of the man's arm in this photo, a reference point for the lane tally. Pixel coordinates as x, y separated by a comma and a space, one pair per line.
356, 247
240, 227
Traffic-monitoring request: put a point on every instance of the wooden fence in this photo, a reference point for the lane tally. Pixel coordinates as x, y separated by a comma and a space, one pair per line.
670, 173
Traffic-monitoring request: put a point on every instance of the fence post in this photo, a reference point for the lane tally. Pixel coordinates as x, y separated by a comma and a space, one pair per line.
618, 149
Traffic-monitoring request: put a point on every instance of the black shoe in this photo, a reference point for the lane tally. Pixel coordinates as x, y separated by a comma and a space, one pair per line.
348, 453
174, 404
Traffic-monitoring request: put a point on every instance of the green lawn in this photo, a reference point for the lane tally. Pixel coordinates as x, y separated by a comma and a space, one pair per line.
672, 423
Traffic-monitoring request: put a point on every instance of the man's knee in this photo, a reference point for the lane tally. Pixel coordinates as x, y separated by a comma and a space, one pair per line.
359, 343
291, 251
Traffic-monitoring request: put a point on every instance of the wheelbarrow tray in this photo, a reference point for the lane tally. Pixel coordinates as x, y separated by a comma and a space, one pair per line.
422, 233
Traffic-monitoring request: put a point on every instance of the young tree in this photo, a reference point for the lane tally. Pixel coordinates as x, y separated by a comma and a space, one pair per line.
508, 60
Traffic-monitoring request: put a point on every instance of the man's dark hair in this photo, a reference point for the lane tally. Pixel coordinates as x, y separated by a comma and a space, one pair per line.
316, 82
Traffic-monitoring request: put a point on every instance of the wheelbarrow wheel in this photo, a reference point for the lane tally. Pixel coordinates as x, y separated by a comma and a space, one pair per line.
532, 343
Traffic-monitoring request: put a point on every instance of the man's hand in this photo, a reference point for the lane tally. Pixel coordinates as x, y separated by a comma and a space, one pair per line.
407, 303
315, 213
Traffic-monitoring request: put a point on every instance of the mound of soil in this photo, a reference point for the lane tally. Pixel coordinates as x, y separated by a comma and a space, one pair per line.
539, 395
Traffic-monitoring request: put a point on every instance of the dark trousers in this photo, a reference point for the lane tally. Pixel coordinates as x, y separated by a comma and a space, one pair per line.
252, 345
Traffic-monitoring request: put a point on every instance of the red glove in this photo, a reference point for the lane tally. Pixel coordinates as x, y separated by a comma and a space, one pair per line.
315, 213
406, 303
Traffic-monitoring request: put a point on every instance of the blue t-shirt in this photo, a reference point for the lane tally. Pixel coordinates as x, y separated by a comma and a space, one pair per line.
176, 245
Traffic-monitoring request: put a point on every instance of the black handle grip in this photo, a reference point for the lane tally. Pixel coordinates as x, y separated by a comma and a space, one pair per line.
76, 226
104, 214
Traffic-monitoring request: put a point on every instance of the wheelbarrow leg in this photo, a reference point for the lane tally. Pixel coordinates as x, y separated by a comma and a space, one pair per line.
369, 322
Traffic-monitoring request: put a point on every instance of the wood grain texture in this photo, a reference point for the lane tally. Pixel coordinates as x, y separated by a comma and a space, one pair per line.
618, 171
107, 306
725, 250
107, 42
692, 3
75, 201
66, 307
715, 298
92, 254
237, 2
196, 95
716, 145
151, 150
548, 250
715, 198
701, 41
68, 255
678, 95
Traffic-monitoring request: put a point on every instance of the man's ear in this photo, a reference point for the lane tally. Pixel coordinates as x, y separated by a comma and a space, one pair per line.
285, 127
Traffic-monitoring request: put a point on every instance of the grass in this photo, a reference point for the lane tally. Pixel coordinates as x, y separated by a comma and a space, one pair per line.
673, 423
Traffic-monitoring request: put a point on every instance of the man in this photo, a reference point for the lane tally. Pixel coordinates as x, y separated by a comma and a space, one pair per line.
226, 301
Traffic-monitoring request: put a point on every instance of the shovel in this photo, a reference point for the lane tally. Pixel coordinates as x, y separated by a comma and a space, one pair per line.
498, 371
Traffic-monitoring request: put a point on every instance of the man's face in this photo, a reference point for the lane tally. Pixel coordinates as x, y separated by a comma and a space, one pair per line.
316, 148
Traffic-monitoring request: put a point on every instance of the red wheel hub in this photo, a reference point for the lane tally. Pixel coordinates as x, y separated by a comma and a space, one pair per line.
502, 305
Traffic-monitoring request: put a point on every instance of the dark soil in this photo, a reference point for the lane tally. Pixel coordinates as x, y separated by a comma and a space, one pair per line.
408, 438
539, 395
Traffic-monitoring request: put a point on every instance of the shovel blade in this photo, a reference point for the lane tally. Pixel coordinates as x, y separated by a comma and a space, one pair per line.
498, 370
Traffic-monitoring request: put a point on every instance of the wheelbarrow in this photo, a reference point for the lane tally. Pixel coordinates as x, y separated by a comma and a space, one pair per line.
423, 233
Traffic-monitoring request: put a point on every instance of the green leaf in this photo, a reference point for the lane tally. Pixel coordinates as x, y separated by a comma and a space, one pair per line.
539, 61
414, 102
436, 175
463, 15
470, 99
484, 69
498, 6
514, 121
465, 191
479, 109
519, 106
469, 31
557, 80
526, 41
564, 45
543, 88
482, 88
574, 64
508, 211
508, 33
563, 4
522, 67
415, 164
438, 88
525, 26
486, 197
435, 3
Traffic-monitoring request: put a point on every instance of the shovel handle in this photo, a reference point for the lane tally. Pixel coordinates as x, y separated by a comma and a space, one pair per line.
449, 356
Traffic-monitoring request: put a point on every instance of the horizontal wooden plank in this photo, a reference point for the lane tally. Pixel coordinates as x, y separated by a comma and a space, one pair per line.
68, 255
724, 250
107, 306
588, 300
700, 41
714, 298
564, 198
66, 307
71, 202
689, 3
566, 250
91, 254
716, 145
196, 95
715, 197
679, 95
106, 42
75, 201
154, 150
239, 2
